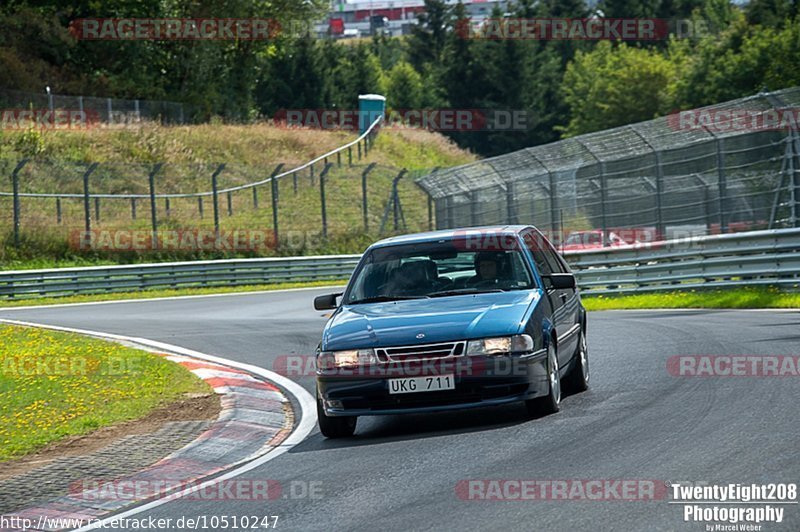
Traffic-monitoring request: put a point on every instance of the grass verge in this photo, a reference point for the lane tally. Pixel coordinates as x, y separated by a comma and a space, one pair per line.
734, 298
147, 294
54, 385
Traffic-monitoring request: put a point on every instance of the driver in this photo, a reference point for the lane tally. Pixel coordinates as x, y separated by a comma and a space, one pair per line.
488, 268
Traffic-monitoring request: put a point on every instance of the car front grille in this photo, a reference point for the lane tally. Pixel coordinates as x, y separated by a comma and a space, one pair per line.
420, 352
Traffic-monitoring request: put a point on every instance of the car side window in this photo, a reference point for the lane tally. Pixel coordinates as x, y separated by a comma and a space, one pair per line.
534, 244
556, 266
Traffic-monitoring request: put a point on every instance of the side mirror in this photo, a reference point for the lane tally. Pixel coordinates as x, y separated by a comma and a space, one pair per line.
562, 281
326, 302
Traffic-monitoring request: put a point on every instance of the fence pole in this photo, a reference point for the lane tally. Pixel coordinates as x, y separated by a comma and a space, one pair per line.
350, 156
722, 185
87, 211
294, 182
397, 207
339, 159
324, 211
230, 205
311, 174
794, 174
255, 197
97, 209
553, 203
16, 208
660, 229
604, 203
430, 213
359, 151
200, 206
58, 211
133, 208
364, 210
215, 195
510, 214
151, 178
166, 207
274, 198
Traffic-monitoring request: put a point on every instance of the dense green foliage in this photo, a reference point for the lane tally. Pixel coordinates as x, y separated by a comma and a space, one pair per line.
565, 87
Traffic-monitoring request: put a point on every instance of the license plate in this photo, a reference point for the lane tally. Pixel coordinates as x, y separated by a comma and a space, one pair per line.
422, 384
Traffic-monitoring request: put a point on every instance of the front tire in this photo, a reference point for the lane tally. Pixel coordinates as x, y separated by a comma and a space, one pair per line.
577, 380
550, 403
335, 427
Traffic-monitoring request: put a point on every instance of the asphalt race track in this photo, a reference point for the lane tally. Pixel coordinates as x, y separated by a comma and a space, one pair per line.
400, 473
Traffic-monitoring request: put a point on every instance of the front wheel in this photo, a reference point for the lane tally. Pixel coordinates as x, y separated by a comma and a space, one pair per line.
550, 403
335, 427
577, 380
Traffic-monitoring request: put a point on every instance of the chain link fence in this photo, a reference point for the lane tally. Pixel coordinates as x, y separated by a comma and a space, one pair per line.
193, 208
107, 111
726, 168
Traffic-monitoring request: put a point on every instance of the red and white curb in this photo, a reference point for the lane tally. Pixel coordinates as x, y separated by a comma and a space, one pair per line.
255, 425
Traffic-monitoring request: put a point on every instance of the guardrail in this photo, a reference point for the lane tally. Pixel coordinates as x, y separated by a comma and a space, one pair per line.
739, 259
766, 258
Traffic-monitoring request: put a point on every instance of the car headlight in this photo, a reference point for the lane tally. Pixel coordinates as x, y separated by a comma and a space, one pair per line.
344, 359
520, 343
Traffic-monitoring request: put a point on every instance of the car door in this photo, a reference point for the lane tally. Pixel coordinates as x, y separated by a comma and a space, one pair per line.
563, 301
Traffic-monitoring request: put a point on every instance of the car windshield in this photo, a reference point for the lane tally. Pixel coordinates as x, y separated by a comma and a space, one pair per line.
435, 269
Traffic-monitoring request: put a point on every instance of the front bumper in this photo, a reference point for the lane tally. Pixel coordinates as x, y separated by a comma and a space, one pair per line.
490, 381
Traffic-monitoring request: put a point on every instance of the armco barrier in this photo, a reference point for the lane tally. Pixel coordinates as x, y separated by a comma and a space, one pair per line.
740, 259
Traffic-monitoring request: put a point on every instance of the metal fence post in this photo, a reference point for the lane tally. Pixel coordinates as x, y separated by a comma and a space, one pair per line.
794, 181
324, 211
473, 208
660, 229
200, 206
510, 214
87, 211
311, 173
359, 151
133, 208
58, 211
255, 197
97, 209
153, 207
722, 185
274, 197
604, 203
364, 209
166, 207
230, 204
16, 208
350, 156
215, 195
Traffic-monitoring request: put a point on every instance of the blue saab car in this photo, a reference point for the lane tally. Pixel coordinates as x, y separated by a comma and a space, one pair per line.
451, 319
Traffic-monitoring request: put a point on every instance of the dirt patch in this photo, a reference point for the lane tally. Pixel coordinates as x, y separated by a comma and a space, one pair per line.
193, 407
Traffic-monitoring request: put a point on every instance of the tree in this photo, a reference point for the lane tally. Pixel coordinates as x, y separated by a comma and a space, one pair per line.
429, 38
611, 86
404, 87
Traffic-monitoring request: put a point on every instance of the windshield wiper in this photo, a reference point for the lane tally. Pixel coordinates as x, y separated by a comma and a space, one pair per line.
465, 291
380, 299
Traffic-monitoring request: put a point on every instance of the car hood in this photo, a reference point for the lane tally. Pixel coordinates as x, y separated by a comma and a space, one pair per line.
438, 319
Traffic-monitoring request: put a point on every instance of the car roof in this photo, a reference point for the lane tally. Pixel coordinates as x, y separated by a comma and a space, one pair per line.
449, 234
